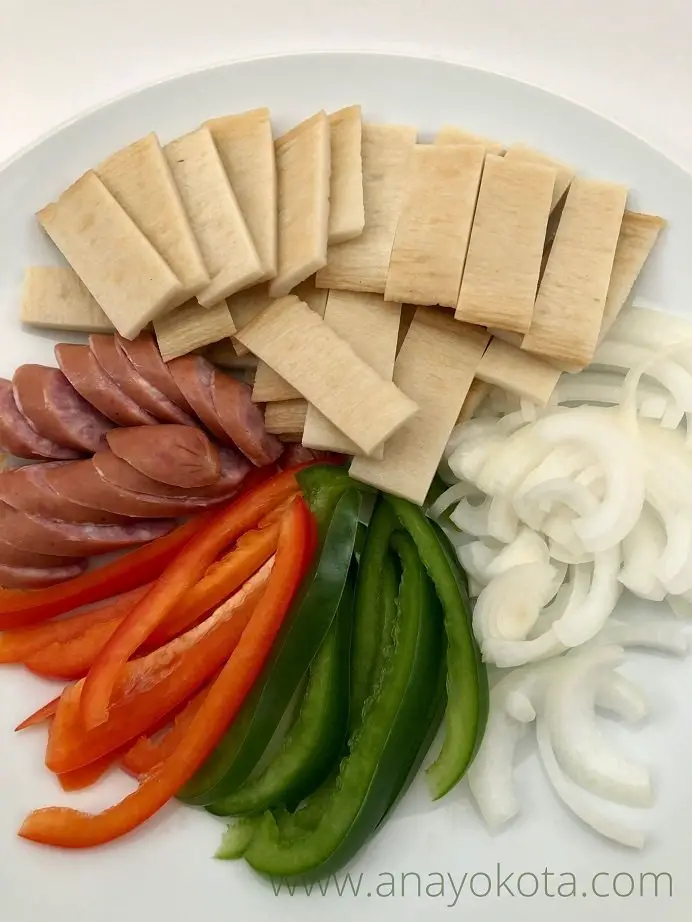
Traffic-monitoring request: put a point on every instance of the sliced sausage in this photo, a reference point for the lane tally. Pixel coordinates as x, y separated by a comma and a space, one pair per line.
11, 556
19, 438
82, 483
146, 358
194, 375
28, 489
234, 469
243, 420
177, 455
55, 409
32, 533
37, 577
86, 376
118, 367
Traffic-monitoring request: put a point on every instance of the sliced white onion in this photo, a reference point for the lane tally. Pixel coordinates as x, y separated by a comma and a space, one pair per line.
472, 519
491, 775
575, 800
510, 604
622, 466
527, 547
665, 371
576, 626
641, 551
580, 747
476, 558
503, 522
652, 634
617, 694
451, 496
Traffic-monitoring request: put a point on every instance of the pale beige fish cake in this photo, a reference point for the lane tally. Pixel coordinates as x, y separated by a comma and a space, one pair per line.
246, 146
128, 278
304, 350
55, 298
303, 163
370, 325
141, 181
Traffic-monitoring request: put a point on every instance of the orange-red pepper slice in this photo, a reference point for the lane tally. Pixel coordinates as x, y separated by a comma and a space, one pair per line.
60, 826
153, 686
178, 578
150, 751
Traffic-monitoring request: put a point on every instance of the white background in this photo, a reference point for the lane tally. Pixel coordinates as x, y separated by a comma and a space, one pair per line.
627, 59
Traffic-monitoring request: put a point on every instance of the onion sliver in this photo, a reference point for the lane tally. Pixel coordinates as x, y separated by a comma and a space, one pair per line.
623, 471
491, 775
579, 746
577, 625
575, 800
618, 695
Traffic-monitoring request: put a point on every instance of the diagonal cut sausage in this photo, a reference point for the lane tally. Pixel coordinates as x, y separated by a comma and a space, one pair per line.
86, 376
243, 420
37, 577
118, 367
11, 556
28, 489
234, 469
83, 484
194, 375
177, 455
146, 358
19, 438
32, 533
55, 409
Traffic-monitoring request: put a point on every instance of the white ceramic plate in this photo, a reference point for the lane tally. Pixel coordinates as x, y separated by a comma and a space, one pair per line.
164, 872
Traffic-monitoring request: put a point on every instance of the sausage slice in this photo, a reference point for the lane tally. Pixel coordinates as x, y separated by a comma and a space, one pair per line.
117, 366
86, 376
234, 469
37, 577
28, 489
55, 409
19, 438
146, 358
32, 533
11, 556
177, 455
82, 483
243, 420
194, 375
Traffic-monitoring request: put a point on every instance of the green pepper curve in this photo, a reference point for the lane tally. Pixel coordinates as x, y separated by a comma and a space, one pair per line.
314, 743
376, 585
307, 625
467, 681
371, 774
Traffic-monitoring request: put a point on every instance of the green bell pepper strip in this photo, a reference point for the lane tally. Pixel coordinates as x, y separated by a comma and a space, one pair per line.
323, 485
307, 625
467, 681
237, 838
370, 774
376, 588
314, 743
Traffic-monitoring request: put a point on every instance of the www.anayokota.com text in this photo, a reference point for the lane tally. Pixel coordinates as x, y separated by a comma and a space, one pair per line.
451, 888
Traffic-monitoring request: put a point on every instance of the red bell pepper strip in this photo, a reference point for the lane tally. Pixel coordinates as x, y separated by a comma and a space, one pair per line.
21, 643
82, 778
69, 828
21, 607
149, 751
154, 686
38, 717
178, 578
251, 551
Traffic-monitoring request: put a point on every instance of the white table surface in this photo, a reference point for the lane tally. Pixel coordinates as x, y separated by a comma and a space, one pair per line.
629, 60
